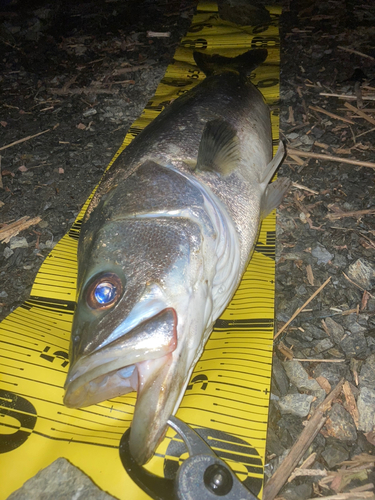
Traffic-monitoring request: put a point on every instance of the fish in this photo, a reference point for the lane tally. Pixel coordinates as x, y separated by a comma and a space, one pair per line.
165, 241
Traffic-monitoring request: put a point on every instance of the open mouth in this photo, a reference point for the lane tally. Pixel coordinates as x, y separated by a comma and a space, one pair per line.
112, 371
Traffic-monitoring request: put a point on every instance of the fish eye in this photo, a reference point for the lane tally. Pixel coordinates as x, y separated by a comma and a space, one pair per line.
104, 291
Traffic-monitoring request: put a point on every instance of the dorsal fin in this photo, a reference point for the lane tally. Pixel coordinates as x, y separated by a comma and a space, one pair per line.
219, 149
243, 64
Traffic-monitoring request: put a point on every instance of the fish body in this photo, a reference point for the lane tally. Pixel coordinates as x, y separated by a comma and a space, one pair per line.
164, 244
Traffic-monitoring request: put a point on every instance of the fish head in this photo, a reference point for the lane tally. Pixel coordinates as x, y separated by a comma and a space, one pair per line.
137, 325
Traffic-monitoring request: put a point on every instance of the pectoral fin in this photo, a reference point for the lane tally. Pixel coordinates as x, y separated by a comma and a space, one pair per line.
219, 149
272, 166
274, 195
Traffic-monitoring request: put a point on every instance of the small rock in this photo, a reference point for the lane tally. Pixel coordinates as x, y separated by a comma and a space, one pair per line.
296, 404
315, 332
363, 273
274, 445
354, 345
89, 112
7, 252
297, 492
366, 409
333, 372
280, 381
335, 454
60, 480
299, 376
353, 325
322, 345
339, 261
340, 424
18, 242
322, 254
336, 331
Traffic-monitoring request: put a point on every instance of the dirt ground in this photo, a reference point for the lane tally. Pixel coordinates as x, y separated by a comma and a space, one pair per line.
62, 93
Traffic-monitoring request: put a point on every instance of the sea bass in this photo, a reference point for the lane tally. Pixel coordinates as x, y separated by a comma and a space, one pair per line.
165, 241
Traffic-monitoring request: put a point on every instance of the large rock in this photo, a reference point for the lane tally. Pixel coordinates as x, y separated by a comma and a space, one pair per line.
60, 481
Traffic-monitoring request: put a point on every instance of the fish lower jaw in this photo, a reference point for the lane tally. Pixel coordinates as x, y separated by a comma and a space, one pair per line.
105, 386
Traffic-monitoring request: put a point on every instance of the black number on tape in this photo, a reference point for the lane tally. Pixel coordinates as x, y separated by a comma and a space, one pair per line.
227, 447
265, 41
22, 411
198, 379
260, 29
198, 43
194, 73
269, 82
56, 354
195, 28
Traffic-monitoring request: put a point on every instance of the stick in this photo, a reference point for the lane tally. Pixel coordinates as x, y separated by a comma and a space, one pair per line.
352, 51
332, 115
312, 428
300, 186
24, 139
348, 496
354, 213
312, 360
358, 286
348, 97
318, 156
303, 307
360, 113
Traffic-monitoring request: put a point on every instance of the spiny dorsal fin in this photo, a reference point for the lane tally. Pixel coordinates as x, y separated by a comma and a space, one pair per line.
219, 149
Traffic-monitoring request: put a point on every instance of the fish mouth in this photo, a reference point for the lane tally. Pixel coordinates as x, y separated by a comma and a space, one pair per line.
113, 370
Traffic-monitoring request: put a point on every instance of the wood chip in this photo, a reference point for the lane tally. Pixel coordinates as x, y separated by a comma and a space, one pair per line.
310, 275
9, 230
351, 403
324, 384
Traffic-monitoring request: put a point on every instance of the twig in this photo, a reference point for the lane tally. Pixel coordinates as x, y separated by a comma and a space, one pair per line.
297, 451
310, 275
312, 360
348, 496
360, 113
358, 286
90, 90
348, 97
354, 213
300, 186
332, 115
24, 139
303, 307
319, 156
352, 51
157, 34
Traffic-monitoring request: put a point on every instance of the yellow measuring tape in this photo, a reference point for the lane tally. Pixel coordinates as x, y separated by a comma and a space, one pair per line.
227, 399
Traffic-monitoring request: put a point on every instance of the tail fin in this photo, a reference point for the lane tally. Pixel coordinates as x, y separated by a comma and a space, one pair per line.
243, 64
